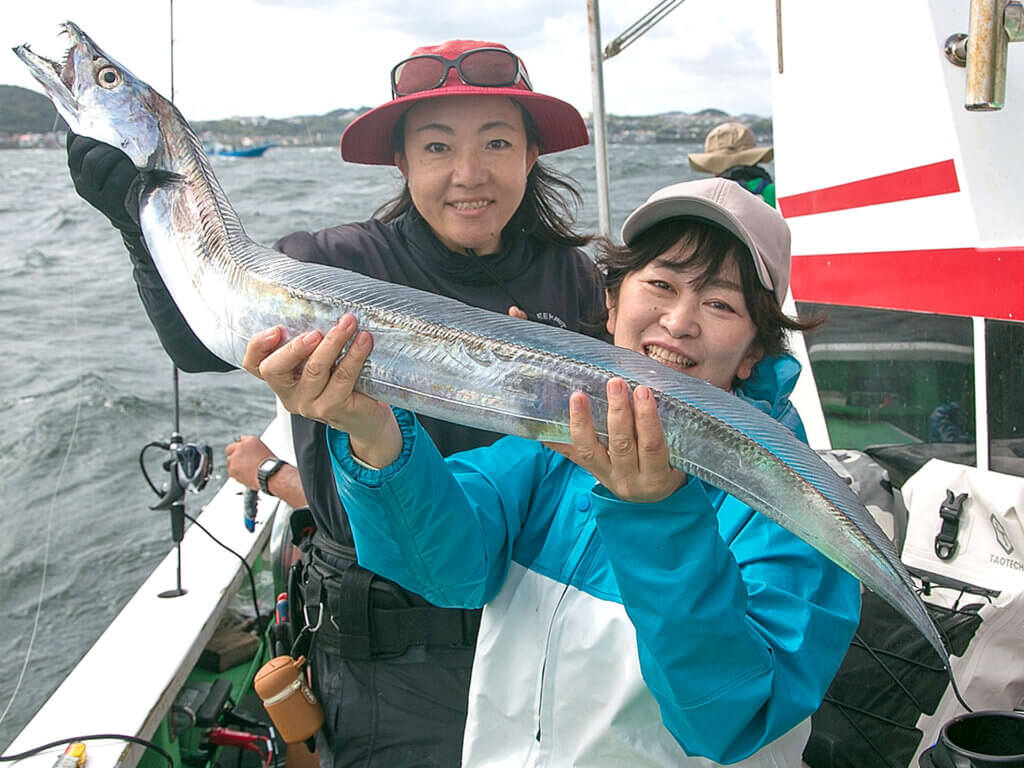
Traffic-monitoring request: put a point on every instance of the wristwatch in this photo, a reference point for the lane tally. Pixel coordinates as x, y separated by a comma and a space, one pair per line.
266, 470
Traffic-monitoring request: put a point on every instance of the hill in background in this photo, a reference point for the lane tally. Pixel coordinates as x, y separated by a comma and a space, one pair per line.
27, 120
25, 111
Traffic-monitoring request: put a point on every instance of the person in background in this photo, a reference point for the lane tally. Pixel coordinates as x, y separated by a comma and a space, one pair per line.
633, 615
254, 465
479, 219
731, 153
946, 424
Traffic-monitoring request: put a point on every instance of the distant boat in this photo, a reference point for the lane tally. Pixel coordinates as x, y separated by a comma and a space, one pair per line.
255, 151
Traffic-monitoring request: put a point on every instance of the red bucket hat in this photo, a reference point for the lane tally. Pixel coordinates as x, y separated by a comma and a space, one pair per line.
367, 139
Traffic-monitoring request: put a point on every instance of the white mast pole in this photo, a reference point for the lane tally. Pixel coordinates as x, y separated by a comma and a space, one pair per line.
172, 50
598, 117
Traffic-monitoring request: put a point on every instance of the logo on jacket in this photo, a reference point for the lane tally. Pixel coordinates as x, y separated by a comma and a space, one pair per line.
1001, 535
551, 319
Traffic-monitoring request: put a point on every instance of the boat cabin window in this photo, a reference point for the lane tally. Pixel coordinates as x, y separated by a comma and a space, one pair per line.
900, 386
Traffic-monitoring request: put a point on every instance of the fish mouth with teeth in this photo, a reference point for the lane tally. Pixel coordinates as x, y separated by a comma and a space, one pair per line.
668, 357
56, 77
98, 97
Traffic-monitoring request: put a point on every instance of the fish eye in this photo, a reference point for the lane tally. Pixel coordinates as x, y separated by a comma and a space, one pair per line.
108, 77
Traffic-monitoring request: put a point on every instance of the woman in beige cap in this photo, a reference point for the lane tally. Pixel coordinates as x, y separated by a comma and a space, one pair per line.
633, 615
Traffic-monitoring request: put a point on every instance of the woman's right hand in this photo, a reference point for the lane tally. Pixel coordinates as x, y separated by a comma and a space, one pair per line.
310, 379
634, 464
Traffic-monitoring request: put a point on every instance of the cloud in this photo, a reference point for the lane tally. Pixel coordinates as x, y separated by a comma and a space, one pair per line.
436, 22
281, 58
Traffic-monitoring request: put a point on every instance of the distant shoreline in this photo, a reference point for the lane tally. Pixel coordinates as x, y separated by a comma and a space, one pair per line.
28, 120
49, 141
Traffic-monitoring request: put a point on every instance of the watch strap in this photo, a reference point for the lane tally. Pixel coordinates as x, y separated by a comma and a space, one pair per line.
266, 471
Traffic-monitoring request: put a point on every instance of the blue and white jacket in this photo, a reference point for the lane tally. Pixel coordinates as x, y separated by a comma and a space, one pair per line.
689, 632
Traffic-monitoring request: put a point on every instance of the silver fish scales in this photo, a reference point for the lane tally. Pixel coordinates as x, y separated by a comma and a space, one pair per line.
437, 356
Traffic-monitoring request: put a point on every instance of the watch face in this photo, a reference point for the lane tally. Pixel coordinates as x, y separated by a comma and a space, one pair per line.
268, 463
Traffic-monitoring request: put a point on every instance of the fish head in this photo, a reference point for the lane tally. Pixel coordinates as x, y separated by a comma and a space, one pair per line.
101, 99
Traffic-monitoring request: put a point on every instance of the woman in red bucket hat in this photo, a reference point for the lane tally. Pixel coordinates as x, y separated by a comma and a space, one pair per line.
479, 219
476, 68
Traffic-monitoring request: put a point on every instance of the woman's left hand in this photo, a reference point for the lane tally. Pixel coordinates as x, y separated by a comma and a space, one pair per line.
634, 465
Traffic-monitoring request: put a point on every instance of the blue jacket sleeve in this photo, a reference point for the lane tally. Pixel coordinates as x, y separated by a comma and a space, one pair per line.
740, 625
441, 528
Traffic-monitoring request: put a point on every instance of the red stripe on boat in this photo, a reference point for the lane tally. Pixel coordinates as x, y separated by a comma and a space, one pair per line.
984, 282
924, 181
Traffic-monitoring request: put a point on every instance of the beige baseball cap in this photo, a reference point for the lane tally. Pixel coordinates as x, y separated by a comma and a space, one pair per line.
726, 145
727, 204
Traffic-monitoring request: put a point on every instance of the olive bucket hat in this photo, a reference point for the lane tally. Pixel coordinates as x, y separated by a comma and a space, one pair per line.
726, 145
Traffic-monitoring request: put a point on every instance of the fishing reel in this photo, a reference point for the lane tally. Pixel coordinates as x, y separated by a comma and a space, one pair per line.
194, 464
189, 466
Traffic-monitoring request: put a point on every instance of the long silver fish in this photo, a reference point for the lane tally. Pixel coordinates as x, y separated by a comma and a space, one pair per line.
437, 356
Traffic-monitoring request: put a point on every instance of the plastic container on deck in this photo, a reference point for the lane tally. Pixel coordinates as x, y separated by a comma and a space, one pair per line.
989, 739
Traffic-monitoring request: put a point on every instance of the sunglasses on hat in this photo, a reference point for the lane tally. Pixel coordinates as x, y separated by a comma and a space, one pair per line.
484, 67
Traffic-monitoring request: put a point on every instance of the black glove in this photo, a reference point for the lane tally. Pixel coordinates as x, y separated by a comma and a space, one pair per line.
105, 178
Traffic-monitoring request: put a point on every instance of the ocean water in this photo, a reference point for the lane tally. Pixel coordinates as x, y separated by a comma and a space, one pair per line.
86, 384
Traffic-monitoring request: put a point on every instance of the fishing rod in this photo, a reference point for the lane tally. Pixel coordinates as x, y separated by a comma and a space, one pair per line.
188, 468
189, 465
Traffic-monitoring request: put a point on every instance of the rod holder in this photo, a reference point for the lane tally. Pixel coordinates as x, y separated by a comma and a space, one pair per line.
994, 24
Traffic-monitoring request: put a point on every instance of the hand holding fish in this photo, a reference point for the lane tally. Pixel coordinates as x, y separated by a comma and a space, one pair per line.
104, 176
635, 463
310, 379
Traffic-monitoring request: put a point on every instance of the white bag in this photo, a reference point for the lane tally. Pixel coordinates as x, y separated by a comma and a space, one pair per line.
988, 555
876, 710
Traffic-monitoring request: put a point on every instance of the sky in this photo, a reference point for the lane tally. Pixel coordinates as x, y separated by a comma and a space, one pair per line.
281, 58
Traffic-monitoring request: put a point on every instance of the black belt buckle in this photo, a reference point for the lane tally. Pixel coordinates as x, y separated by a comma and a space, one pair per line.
949, 511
